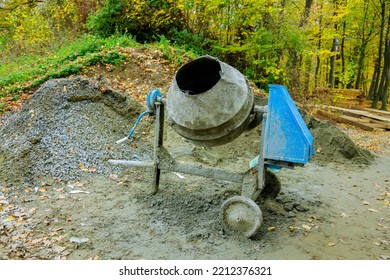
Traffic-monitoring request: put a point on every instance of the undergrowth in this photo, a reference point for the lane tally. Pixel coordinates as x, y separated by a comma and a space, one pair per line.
26, 72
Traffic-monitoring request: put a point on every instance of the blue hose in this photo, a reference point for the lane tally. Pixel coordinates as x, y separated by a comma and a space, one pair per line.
137, 121
151, 98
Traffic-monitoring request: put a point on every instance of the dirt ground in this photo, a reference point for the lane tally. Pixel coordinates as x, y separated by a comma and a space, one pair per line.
335, 207
331, 212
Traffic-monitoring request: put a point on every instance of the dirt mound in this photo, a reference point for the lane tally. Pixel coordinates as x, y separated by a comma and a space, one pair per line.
333, 145
67, 129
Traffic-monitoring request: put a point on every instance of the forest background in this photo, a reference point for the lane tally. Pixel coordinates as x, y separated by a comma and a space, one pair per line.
303, 44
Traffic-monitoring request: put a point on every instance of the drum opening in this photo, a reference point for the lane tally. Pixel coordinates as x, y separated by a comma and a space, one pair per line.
198, 76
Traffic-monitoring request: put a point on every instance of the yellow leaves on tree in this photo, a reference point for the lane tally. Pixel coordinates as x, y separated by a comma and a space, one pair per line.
31, 31
25, 29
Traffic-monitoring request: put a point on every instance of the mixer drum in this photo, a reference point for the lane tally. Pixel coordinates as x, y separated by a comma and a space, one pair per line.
209, 102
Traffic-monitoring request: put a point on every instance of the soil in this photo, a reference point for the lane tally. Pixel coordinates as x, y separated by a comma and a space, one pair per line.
60, 199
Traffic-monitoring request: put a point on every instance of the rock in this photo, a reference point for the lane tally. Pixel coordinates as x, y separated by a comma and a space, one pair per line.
288, 207
301, 208
291, 214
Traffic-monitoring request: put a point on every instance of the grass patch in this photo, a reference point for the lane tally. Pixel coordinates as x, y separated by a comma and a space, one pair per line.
172, 53
28, 71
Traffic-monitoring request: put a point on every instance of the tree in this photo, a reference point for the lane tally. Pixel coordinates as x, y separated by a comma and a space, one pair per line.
380, 81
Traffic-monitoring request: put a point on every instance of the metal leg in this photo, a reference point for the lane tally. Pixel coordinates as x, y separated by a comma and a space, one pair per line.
261, 166
158, 142
252, 187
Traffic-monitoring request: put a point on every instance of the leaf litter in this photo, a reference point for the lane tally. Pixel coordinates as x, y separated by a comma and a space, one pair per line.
19, 237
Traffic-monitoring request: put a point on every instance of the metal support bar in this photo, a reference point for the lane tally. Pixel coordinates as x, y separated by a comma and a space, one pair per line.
169, 164
132, 163
158, 143
253, 189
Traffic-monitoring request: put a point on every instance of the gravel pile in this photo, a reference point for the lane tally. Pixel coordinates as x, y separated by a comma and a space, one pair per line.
68, 130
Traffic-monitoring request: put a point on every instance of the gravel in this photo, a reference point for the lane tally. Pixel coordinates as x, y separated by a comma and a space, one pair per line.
68, 130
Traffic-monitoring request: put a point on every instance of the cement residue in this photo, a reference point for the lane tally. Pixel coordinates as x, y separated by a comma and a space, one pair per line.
67, 129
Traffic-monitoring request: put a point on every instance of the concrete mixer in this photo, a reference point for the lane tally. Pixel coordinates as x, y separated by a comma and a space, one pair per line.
210, 103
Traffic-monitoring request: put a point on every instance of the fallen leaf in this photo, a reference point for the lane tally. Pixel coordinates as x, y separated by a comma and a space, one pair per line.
306, 227
9, 218
78, 240
58, 249
114, 177
271, 228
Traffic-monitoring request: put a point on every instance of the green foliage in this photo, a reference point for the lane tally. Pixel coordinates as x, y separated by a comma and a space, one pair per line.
113, 58
106, 21
30, 71
196, 43
173, 54
143, 19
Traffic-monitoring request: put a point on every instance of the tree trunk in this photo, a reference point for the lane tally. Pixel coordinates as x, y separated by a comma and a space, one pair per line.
360, 67
374, 81
375, 84
306, 13
386, 70
317, 71
379, 89
332, 62
364, 41
342, 53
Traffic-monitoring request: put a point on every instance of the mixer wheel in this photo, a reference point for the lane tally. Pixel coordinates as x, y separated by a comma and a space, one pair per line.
241, 215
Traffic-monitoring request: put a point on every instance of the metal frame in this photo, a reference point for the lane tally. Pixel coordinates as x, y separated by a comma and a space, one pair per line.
251, 185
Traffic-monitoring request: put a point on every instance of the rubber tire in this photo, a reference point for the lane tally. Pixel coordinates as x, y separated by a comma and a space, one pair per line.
241, 215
